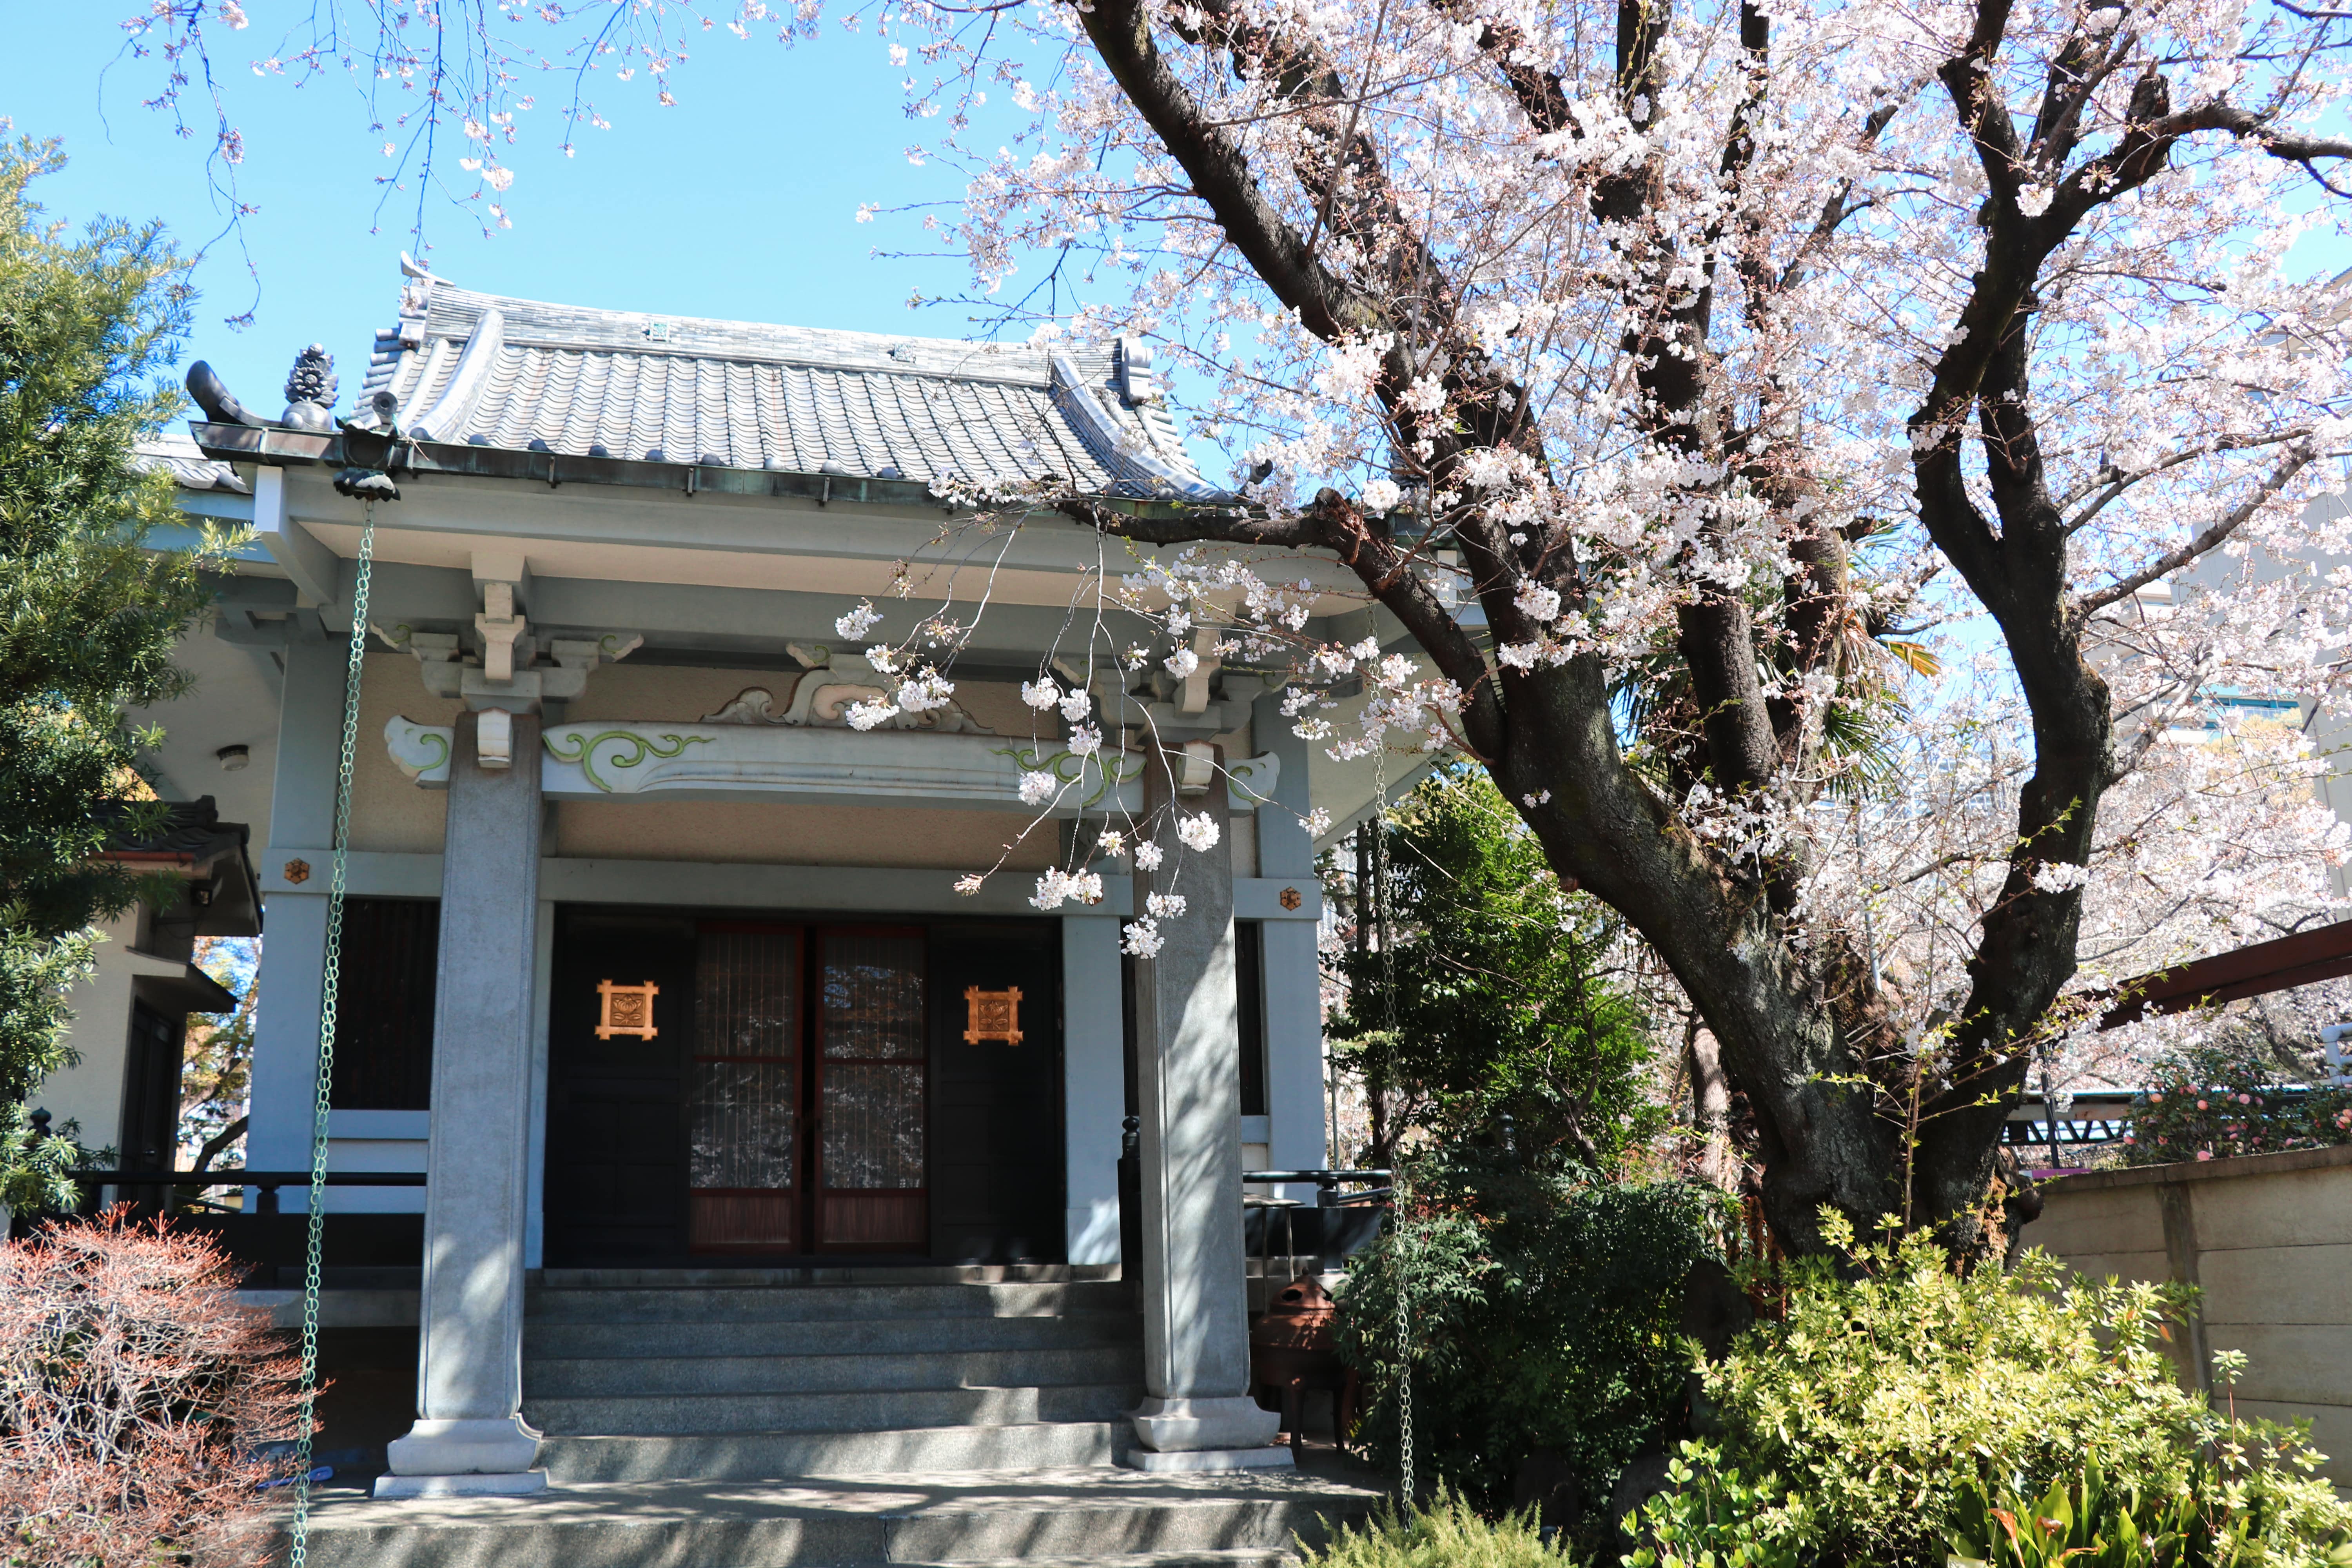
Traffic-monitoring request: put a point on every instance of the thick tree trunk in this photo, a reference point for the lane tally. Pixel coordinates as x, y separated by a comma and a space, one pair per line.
1799, 1029
1710, 1092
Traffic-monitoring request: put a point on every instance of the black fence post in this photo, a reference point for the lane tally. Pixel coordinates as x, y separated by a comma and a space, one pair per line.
1130, 1199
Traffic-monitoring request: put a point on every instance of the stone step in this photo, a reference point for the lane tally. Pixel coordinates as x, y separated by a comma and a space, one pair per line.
839, 1273
1242, 1557
865, 1410
581, 1377
1091, 1516
767, 1455
819, 1336
775, 1303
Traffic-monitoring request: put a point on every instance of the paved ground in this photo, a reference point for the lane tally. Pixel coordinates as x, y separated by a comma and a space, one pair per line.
1096, 1515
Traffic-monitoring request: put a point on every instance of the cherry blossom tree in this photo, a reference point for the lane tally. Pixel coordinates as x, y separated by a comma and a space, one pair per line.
1660, 369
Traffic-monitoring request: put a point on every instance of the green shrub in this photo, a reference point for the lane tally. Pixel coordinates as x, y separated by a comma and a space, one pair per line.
1545, 1313
1894, 1383
1711, 1516
1448, 1533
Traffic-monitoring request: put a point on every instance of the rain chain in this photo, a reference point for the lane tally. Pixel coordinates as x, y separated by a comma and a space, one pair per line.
1399, 1238
300, 1528
1404, 1346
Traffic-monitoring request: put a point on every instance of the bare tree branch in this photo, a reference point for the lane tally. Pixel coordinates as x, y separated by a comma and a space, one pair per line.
2211, 537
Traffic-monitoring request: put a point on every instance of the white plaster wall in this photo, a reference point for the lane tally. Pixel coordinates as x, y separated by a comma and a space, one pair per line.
1094, 1084
769, 833
376, 1140
1242, 828
389, 813
90, 1092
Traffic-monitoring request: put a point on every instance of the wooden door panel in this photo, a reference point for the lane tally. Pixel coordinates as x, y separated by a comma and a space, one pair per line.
873, 1111
745, 1090
752, 1221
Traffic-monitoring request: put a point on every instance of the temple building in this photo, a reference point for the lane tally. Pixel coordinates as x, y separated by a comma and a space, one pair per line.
654, 963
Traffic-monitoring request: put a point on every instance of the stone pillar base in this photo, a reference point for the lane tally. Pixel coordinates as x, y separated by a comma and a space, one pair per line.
501, 1448
1279, 1458
515, 1484
1194, 1426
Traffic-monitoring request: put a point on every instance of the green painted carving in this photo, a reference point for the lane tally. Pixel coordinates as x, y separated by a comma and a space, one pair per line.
1113, 768
582, 749
1243, 777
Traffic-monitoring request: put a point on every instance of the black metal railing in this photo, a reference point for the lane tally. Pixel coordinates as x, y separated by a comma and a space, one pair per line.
1328, 1194
1334, 1229
268, 1182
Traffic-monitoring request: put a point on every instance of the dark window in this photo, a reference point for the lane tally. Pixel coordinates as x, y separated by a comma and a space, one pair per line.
383, 1017
1249, 987
151, 1092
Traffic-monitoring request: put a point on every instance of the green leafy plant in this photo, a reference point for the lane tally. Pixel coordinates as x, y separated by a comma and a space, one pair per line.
1544, 1313
1712, 1516
33, 1169
1895, 1381
1448, 1533
2093, 1520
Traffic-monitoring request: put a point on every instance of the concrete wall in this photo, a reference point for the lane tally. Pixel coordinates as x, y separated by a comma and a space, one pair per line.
389, 813
2268, 1237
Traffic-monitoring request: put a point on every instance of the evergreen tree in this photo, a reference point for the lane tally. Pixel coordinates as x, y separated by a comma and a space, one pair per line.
1493, 995
89, 613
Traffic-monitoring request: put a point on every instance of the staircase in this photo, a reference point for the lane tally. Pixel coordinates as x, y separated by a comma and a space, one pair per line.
757, 1379
771, 1419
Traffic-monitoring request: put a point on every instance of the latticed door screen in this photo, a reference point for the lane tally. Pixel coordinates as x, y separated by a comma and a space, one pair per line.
745, 1094
873, 1124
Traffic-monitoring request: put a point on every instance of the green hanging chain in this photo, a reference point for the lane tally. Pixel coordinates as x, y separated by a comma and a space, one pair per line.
1397, 1190
1404, 1344
328, 998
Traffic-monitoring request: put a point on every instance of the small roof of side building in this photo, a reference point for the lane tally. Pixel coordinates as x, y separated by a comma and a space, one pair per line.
485, 370
177, 454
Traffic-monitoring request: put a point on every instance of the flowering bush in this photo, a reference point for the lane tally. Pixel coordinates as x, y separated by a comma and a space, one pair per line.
135, 1400
2220, 1101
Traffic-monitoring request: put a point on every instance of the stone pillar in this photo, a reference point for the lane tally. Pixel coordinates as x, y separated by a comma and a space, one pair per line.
470, 1435
1094, 1084
1196, 1413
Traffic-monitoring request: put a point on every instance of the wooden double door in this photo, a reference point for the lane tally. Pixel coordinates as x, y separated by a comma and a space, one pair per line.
788, 1099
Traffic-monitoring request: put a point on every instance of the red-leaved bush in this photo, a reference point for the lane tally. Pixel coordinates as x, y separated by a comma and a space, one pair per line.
135, 1395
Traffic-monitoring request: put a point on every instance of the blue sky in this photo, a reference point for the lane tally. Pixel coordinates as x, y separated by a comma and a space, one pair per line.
739, 202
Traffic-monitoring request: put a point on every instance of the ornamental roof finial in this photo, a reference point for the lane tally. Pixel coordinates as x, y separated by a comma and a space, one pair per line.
311, 390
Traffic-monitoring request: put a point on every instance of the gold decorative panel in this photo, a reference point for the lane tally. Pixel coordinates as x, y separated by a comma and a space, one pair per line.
625, 1009
992, 1016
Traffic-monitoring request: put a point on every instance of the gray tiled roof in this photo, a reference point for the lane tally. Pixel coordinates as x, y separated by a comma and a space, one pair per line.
483, 369
177, 453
